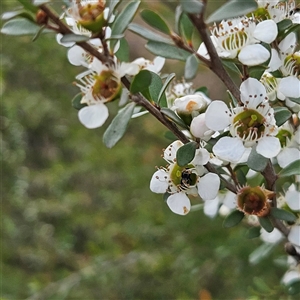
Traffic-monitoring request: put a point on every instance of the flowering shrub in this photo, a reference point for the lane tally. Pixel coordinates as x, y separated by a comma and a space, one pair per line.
221, 145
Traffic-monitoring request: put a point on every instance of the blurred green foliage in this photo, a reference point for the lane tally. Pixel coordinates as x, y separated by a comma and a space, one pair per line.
79, 220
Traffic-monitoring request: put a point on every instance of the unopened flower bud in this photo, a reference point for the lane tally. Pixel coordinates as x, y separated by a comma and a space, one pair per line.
254, 200
41, 17
199, 129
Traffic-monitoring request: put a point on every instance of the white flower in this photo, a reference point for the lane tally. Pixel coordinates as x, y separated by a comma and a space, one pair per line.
100, 85
240, 37
292, 197
155, 66
180, 182
249, 125
294, 235
271, 237
199, 129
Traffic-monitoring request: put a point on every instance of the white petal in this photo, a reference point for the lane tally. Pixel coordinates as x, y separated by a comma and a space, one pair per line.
287, 45
201, 157
179, 203
252, 92
230, 200
170, 152
290, 276
217, 110
287, 156
275, 61
269, 146
159, 182
202, 50
211, 207
199, 129
271, 237
293, 200
266, 31
208, 186
229, 149
157, 65
253, 55
76, 56
290, 87
93, 116
294, 235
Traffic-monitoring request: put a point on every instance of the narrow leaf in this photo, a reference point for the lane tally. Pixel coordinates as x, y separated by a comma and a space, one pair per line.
191, 67
256, 71
123, 52
256, 161
284, 25
155, 89
192, 6
186, 153
281, 114
261, 252
230, 65
291, 169
76, 102
18, 13
233, 218
67, 38
29, 6
253, 232
167, 51
118, 126
148, 34
282, 214
266, 224
19, 27
296, 100
155, 20
186, 27
232, 9
165, 86
172, 115
112, 5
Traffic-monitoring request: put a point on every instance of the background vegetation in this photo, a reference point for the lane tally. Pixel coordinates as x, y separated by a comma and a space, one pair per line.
79, 220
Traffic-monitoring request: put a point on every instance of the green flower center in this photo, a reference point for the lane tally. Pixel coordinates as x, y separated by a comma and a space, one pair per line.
106, 85
183, 177
252, 201
91, 12
249, 125
284, 136
292, 63
235, 41
260, 14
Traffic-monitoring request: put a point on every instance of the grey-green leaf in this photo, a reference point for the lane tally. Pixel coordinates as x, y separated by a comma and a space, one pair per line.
155, 20
67, 38
256, 161
291, 169
148, 34
232, 9
296, 100
167, 50
234, 218
253, 232
172, 115
76, 102
266, 224
186, 153
282, 214
19, 26
261, 252
165, 86
281, 114
192, 6
29, 6
118, 126
141, 82
191, 67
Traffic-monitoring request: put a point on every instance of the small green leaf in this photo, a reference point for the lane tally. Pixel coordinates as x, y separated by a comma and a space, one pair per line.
165, 86
282, 214
67, 38
253, 232
294, 28
76, 102
261, 252
172, 115
261, 285
155, 20
191, 67
155, 89
296, 100
186, 27
204, 90
18, 13
167, 51
294, 287
112, 5
170, 136
148, 34
266, 224
19, 27
122, 20
256, 161
186, 153
118, 126
232, 9
141, 82
256, 71
192, 6
123, 52
283, 25
281, 114
241, 171
230, 65
29, 6
291, 169
234, 218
